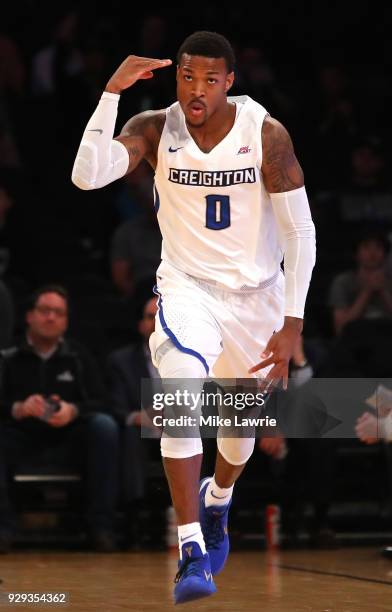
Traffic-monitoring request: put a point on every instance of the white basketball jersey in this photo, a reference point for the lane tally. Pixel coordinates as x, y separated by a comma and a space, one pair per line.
213, 210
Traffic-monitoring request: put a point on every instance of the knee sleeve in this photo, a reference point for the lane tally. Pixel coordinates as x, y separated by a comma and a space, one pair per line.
174, 364
180, 448
236, 451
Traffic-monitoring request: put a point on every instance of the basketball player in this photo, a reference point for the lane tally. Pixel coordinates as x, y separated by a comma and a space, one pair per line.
230, 200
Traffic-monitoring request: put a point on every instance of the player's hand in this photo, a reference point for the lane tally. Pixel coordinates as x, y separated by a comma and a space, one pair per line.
367, 428
279, 351
33, 406
132, 69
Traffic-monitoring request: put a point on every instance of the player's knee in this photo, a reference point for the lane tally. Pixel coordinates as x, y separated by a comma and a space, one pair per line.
236, 451
180, 448
173, 363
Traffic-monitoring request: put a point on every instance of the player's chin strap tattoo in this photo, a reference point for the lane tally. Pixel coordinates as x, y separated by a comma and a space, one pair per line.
100, 159
294, 219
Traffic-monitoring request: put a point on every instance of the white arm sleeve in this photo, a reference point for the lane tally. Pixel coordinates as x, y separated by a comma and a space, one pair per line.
297, 233
100, 160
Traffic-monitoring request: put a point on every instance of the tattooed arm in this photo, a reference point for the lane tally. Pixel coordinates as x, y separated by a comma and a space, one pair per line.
280, 168
141, 135
283, 179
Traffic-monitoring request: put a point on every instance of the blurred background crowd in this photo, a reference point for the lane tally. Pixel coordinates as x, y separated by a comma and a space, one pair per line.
325, 73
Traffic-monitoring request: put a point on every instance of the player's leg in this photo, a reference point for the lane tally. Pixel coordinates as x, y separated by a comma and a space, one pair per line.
182, 458
226, 473
244, 338
215, 496
186, 342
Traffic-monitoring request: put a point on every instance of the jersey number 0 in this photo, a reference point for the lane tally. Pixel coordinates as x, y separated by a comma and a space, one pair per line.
217, 212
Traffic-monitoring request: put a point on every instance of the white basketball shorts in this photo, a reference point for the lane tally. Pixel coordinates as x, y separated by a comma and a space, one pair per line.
226, 330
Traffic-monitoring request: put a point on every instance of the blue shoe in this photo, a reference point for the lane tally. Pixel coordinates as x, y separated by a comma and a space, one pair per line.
213, 521
194, 577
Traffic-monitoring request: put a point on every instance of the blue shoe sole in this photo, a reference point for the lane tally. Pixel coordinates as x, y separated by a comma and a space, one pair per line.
193, 590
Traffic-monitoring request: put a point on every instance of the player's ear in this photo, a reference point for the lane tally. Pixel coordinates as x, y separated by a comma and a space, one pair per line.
229, 81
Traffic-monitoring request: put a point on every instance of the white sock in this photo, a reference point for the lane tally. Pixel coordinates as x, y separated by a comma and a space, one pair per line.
191, 532
216, 496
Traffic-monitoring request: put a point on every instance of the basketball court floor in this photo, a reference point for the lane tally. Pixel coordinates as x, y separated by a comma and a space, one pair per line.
343, 580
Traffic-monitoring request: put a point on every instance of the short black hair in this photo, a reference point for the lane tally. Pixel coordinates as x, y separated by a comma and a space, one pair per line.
208, 44
59, 289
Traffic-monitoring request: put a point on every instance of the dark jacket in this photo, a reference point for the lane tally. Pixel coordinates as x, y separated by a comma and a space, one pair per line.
70, 372
126, 368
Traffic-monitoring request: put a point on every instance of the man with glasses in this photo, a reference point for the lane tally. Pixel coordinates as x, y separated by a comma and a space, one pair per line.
51, 397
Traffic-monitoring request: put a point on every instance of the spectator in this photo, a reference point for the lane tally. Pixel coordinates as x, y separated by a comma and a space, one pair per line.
336, 125
257, 77
136, 246
12, 83
51, 397
364, 293
6, 317
364, 197
60, 60
153, 42
126, 368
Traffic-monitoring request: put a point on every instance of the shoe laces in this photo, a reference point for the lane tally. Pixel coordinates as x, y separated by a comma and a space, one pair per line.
215, 530
187, 568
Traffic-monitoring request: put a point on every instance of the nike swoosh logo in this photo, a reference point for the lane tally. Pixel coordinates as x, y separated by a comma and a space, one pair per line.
171, 150
100, 131
186, 537
216, 496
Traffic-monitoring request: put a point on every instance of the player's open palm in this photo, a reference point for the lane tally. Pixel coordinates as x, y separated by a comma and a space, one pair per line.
132, 69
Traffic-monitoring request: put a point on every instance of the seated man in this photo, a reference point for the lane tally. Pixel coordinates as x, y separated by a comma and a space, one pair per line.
51, 397
366, 292
126, 369
136, 250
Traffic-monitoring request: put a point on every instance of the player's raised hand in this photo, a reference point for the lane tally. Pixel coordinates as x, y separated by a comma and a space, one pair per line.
279, 351
132, 69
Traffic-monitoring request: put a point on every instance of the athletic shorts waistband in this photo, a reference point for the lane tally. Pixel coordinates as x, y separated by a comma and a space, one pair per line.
269, 282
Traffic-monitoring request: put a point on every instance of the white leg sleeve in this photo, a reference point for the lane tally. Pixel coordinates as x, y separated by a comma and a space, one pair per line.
294, 219
172, 363
100, 160
180, 448
236, 451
